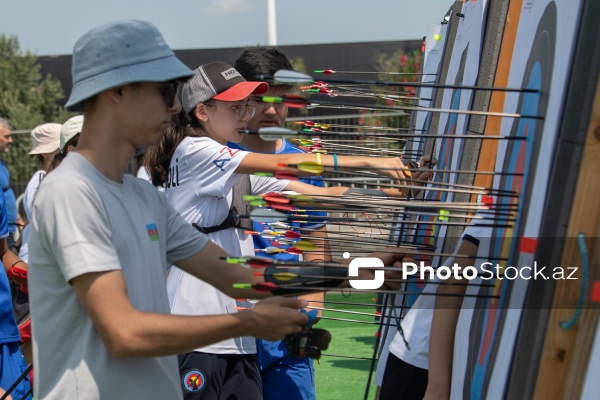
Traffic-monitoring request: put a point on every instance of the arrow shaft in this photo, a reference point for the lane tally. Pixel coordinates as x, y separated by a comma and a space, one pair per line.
366, 214
430, 85
369, 72
370, 201
400, 292
328, 103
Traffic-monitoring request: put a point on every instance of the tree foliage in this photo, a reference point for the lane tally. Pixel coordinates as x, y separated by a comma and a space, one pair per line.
26, 98
408, 65
298, 64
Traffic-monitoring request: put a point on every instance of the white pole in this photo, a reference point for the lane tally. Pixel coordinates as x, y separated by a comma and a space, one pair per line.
272, 23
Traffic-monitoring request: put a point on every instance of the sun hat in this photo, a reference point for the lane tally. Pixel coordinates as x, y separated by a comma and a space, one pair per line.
118, 53
219, 81
70, 129
45, 138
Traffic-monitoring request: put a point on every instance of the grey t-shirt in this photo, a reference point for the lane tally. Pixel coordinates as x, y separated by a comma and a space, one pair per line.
83, 222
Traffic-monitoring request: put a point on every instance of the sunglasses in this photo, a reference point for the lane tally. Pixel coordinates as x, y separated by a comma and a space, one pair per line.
169, 91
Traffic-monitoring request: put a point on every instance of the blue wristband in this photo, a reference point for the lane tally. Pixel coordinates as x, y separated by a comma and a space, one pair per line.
335, 167
312, 315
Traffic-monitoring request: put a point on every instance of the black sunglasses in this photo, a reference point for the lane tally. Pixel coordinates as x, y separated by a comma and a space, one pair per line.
169, 90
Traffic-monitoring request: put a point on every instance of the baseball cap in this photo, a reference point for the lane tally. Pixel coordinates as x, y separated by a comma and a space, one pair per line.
44, 138
118, 53
219, 81
70, 129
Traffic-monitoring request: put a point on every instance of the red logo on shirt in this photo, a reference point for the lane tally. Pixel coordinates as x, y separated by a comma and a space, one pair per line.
231, 152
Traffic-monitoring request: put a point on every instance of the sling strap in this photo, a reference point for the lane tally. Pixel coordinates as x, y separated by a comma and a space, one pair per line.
238, 206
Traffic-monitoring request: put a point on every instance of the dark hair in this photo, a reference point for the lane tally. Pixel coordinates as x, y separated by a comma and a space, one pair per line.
72, 142
56, 160
40, 158
60, 156
158, 158
259, 60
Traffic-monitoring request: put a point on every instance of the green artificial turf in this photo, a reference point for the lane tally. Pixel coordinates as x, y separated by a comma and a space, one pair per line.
339, 378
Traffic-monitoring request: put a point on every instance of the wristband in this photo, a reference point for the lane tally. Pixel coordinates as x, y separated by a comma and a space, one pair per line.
335, 164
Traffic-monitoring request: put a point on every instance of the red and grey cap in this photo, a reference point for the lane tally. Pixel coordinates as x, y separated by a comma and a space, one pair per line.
219, 81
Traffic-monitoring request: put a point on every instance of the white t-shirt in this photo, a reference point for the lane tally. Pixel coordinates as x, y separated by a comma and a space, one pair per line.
28, 198
83, 222
199, 188
416, 325
24, 249
31, 190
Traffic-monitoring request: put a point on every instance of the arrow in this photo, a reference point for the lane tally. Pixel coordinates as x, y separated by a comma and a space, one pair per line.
327, 126
293, 77
286, 276
364, 237
393, 204
317, 169
442, 214
274, 133
266, 216
330, 72
270, 286
290, 100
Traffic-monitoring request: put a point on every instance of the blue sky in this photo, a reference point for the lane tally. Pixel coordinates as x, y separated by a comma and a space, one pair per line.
52, 27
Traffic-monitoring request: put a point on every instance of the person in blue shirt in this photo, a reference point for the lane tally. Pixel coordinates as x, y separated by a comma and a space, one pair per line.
9, 194
12, 362
281, 375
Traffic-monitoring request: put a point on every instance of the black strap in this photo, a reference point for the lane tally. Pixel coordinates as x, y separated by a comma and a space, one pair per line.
240, 189
230, 222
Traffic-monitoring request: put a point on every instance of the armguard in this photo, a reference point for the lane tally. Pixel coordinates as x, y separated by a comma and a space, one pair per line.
17, 275
293, 278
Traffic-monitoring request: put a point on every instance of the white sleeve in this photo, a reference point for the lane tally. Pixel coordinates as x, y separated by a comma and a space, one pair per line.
30, 191
261, 184
210, 165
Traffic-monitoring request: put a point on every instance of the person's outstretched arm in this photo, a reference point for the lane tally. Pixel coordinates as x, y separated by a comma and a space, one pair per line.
385, 166
128, 332
448, 304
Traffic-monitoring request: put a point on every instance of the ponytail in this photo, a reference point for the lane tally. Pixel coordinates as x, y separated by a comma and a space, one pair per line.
158, 158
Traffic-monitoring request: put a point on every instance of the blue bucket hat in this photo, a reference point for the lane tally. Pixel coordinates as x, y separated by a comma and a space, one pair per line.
118, 53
